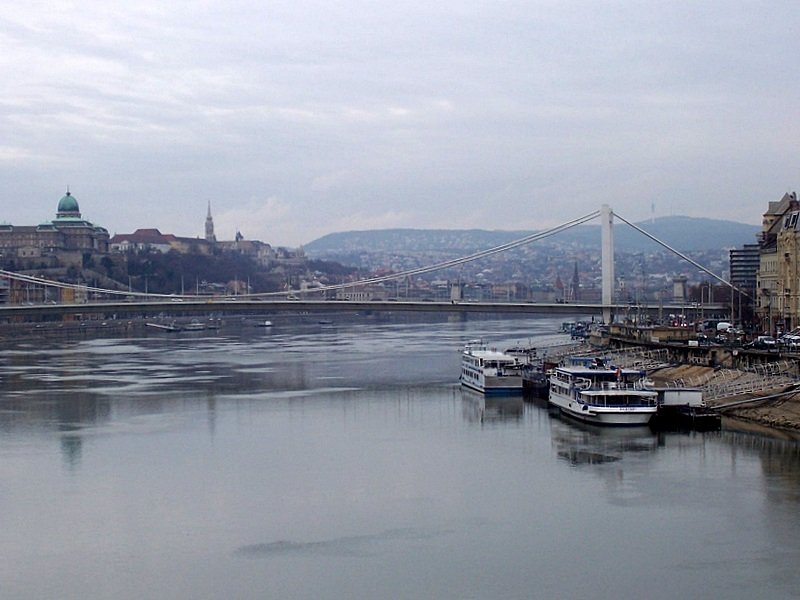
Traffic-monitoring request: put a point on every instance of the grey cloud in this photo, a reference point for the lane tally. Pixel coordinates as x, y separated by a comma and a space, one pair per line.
517, 114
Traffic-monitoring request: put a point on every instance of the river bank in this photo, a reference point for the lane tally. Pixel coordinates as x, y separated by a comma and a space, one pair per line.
774, 413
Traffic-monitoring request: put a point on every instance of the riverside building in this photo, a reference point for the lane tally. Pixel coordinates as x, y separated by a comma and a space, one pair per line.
778, 280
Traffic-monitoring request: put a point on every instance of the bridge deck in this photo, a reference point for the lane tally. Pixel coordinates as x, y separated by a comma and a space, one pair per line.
230, 306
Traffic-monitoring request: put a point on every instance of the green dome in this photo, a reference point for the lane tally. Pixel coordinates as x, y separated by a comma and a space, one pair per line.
68, 205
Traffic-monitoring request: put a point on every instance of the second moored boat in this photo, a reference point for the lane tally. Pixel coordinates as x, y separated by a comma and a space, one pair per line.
592, 391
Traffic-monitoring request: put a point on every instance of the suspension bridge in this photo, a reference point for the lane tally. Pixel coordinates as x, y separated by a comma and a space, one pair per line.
103, 301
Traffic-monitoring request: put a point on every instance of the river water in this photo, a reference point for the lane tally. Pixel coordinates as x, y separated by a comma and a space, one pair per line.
342, 460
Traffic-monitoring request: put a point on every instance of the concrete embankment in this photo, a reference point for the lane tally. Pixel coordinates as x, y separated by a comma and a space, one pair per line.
770, 408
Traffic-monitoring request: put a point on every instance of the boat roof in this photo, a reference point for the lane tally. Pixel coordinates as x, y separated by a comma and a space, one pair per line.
492, 354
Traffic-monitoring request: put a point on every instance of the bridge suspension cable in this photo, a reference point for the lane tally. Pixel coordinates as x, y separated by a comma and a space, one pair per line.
464, 259
682, 255
391, 277
73, 286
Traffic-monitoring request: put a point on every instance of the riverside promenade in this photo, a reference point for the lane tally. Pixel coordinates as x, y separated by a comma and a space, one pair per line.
754, 386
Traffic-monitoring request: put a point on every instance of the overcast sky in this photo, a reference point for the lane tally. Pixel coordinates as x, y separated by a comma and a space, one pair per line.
297, 119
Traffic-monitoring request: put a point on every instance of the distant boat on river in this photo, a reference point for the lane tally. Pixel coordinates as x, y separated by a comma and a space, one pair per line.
195, 325
171, 327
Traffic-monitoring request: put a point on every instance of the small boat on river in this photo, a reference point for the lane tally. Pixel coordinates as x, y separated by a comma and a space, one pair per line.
194, 325
490, 371
592, 391
171, 327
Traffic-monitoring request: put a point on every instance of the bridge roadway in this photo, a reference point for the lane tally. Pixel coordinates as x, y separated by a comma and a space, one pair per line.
248, 306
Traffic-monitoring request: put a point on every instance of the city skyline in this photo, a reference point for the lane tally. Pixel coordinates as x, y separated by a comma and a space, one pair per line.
299, 120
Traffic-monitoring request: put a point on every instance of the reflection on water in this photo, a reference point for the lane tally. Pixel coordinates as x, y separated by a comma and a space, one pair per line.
353, 545
479, 408
583, 443
345, 461
71, 449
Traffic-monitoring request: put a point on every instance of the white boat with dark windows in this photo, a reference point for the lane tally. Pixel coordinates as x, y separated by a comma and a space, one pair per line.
590, 390
195, 325
490, 371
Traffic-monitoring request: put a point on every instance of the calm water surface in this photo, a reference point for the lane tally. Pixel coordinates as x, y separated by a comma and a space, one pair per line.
342, 461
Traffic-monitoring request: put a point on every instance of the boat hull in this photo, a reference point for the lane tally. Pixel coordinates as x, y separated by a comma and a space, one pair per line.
508, 385
598, 415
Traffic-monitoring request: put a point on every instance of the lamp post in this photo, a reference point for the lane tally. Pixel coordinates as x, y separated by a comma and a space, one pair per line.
739, 298
702, 304
769, 311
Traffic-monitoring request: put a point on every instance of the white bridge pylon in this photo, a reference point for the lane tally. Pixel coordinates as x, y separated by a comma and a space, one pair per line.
607, 259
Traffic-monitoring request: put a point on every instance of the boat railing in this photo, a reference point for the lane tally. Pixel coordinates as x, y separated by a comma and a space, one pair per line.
632, 401
510, 370
611, 385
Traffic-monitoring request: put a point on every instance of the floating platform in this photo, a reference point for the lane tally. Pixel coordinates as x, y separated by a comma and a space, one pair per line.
695, 418
684, 408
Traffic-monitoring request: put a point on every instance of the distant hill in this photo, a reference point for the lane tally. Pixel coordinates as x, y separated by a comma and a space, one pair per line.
686, 234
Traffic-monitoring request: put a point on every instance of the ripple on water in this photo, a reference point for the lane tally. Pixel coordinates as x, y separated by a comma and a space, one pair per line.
354, 545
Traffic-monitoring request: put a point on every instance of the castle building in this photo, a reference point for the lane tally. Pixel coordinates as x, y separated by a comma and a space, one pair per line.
152, 240
64, 241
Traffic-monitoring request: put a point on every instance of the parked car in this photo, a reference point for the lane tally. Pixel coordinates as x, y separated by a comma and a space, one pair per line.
791, 342
764, 342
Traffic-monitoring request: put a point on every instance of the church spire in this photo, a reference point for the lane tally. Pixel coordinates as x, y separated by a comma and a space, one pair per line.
576, 284
210, 237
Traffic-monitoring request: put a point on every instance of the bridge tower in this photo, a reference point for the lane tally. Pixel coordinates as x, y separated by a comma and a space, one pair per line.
607, 259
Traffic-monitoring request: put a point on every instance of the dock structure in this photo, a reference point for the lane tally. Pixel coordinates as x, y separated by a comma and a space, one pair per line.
721, 383
779, 396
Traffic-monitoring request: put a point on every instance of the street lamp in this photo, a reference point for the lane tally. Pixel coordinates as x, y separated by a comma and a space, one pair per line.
702, 304
766, 294
769, 310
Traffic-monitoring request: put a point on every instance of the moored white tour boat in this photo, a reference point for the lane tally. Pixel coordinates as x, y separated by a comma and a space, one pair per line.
490, 371
591, 391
